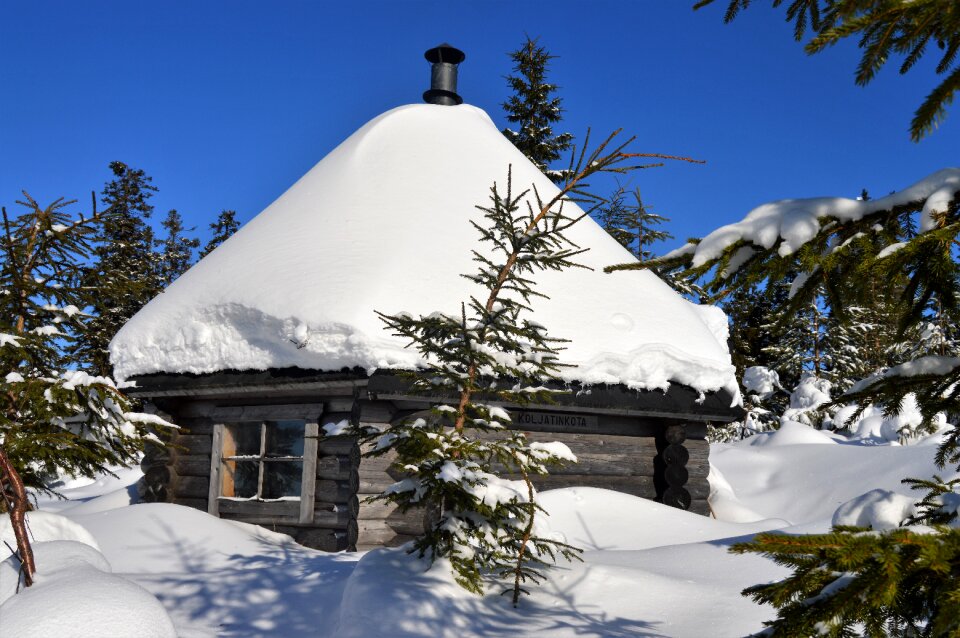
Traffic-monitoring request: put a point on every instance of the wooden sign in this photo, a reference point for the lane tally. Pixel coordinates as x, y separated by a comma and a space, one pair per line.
555, 421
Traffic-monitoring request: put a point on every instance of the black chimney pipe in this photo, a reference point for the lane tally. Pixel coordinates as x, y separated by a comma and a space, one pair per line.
443, 75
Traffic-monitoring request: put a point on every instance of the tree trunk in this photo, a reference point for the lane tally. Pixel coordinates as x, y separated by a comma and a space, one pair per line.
15, 497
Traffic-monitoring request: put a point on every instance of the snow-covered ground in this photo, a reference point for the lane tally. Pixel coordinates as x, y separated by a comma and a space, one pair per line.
647, 570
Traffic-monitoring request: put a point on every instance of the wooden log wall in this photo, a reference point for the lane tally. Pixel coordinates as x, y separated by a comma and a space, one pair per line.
180, 474
668, 463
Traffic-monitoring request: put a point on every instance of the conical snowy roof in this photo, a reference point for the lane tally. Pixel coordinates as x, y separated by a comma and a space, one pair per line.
382, 223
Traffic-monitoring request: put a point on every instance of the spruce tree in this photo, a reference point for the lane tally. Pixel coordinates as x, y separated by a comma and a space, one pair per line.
123, 272
535, 110
53, 419
489, 353
225, 226
899, 582
176, 251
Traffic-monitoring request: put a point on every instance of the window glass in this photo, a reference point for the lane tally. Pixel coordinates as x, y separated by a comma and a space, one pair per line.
244, 478
284, 438
282, 478
245, 439
262, 460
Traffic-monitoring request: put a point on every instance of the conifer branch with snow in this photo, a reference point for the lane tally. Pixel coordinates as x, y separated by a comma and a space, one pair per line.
891, 581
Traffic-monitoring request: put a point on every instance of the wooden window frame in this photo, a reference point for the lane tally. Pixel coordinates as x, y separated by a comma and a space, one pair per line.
309, 413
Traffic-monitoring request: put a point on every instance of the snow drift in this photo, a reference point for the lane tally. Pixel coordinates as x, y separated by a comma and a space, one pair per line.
383, 223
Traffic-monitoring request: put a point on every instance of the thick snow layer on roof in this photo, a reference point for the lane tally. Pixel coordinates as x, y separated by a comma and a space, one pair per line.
382, 223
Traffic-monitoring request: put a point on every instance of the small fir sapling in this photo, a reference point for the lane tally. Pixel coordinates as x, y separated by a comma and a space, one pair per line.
857, 581
534, 110
490, 353
176, 250
225, 226
53, 419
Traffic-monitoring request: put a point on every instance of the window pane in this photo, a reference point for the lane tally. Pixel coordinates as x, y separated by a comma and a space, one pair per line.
281, 478
241, 439
285, 438
240, 479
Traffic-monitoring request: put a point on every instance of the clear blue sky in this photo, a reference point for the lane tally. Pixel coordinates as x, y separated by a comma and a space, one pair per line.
226, 104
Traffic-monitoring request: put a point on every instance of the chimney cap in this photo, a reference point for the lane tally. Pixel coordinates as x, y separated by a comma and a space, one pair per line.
445, 53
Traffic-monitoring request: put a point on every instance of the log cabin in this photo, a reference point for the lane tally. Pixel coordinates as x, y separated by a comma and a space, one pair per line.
272, 339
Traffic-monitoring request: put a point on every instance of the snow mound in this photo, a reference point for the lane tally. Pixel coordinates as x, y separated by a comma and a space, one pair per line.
792, 433
878, 509
50, 556
179, 538
75, 595
576, 515
44, 526
383, 223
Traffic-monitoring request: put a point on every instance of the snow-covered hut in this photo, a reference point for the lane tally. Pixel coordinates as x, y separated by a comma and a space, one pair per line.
272, 338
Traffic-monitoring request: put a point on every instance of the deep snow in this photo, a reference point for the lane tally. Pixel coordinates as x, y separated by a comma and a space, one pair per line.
385, 219
648, 570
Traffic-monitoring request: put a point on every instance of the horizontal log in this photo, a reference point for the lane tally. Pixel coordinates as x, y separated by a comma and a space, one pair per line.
637, 485
191, 465
675, 454
351, 505
368, 486
239, 413
195, 425
335, 467
270, 522
601, 465
413, 521
676, 475
375, 411
582, 443
190, 444
335, 491
677, 497
195, 503
697, 444
332, 520
325, 540
698, 487
152, 492
336, 445
377, 533
700, 506
259, 509
675, 433
698, 469
191, 487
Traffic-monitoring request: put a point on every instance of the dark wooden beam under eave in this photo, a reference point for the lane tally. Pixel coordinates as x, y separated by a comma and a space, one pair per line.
678, 402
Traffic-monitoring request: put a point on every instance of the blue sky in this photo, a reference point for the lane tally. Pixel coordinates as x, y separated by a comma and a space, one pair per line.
226, 104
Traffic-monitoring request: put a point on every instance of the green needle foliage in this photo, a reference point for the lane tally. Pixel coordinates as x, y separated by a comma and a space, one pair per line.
885, 29
225, 226
462, 461
856, 582
54, 419
901, 582
534, 110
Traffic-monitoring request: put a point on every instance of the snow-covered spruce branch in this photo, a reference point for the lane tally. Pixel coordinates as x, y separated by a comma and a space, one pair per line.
881, 582
461, 459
